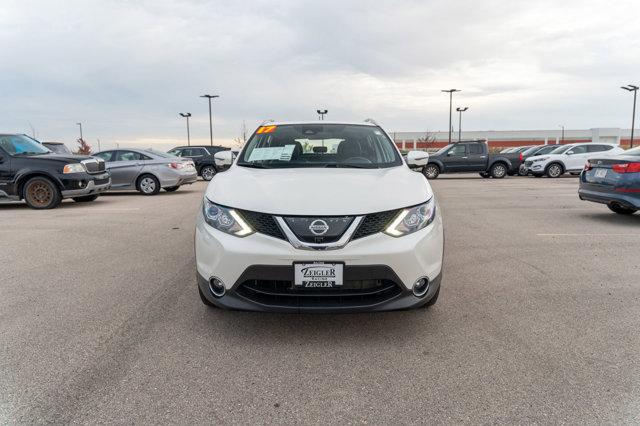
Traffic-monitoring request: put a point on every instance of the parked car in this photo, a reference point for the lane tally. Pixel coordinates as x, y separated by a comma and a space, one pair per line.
568, 158
147, 170
202, 157
57, 147
471, 156
29, 171
303, 227
614, 181
531, 152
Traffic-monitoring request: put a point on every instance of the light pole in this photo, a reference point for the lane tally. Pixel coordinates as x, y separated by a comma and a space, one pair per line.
210, 119
321, 113
460, 110
450, 92
562, 137
80, 124
634, 89
187, 115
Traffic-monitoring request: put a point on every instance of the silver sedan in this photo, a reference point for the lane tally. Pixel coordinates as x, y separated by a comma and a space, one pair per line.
147, 170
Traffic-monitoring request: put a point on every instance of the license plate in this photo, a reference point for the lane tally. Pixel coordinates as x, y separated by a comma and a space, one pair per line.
318, 274
600, 173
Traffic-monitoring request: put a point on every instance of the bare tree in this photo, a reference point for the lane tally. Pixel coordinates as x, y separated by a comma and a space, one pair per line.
242, 139
429, 137
83, 147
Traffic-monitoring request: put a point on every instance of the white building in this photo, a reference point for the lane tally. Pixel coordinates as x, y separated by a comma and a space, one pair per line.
507, 138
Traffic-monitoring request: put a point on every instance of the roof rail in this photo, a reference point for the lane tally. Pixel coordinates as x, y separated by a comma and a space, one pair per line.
372, 121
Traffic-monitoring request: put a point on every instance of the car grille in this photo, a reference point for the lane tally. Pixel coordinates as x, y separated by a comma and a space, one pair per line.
263, 223
371, 223
94, 165
352, 293
374, 223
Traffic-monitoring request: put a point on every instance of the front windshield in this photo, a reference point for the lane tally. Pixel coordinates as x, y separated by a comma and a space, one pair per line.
561, 149
319, 145
22, 145
443, 149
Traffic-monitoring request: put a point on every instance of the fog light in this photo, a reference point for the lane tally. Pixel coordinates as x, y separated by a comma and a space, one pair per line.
216, 287
81, 184
421, 287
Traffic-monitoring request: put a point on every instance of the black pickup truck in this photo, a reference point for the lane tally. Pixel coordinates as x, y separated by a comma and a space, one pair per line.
30, 171
471, 157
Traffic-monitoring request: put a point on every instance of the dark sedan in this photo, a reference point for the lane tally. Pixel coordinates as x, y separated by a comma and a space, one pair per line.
613, 181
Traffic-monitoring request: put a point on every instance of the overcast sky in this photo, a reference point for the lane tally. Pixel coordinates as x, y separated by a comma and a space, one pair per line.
126, 68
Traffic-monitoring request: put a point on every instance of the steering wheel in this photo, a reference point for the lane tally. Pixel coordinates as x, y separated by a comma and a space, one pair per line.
357, 160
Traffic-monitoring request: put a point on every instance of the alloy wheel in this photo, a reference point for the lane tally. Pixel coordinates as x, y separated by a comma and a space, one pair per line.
147, 185
208, 173
554, 171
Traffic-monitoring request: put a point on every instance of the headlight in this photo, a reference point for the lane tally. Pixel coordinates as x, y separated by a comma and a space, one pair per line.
540, 159
74, 168
412, 219
225, 219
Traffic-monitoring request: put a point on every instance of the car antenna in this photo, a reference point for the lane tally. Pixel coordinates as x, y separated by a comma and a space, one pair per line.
372, 121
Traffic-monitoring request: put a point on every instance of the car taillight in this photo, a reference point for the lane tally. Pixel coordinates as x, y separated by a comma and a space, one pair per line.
175, 165
588, 166
521, 157
626, 168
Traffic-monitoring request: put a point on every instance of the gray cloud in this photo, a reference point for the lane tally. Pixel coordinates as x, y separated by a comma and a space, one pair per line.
126, 68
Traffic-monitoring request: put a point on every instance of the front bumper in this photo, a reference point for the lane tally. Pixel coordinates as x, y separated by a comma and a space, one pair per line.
89, 186
401, 260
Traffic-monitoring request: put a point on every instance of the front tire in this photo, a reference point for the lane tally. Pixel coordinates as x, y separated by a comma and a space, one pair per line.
554, 170
85, 198
498, 170
41, 193
207, 173
171, 188
148, 185
617, 208
431, 171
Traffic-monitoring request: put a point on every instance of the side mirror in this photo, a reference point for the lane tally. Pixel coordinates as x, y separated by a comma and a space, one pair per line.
569, 152
416, 159
223, 159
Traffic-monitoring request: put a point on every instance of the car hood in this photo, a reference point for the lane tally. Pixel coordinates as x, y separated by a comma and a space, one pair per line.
318, 191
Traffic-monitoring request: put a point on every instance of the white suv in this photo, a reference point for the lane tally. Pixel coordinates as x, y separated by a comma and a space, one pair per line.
319, 217
568, 158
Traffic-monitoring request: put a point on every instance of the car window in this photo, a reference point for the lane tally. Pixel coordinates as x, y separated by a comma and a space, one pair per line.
547, 149
596, 148
193, 152
580, 149
561, 149
130, 156
458, 150
177, 152
106, 155
475, 148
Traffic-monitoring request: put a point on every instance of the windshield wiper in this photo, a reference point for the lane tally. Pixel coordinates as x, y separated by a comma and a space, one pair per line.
29, 153
356, 166
254, 165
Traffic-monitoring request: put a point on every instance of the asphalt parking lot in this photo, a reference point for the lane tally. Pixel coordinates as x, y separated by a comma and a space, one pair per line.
537, 321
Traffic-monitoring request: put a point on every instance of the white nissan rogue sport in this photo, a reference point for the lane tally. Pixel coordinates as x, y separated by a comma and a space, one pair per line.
319, 217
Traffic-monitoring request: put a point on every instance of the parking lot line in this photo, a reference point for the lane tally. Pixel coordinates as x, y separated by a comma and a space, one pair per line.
588, 235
